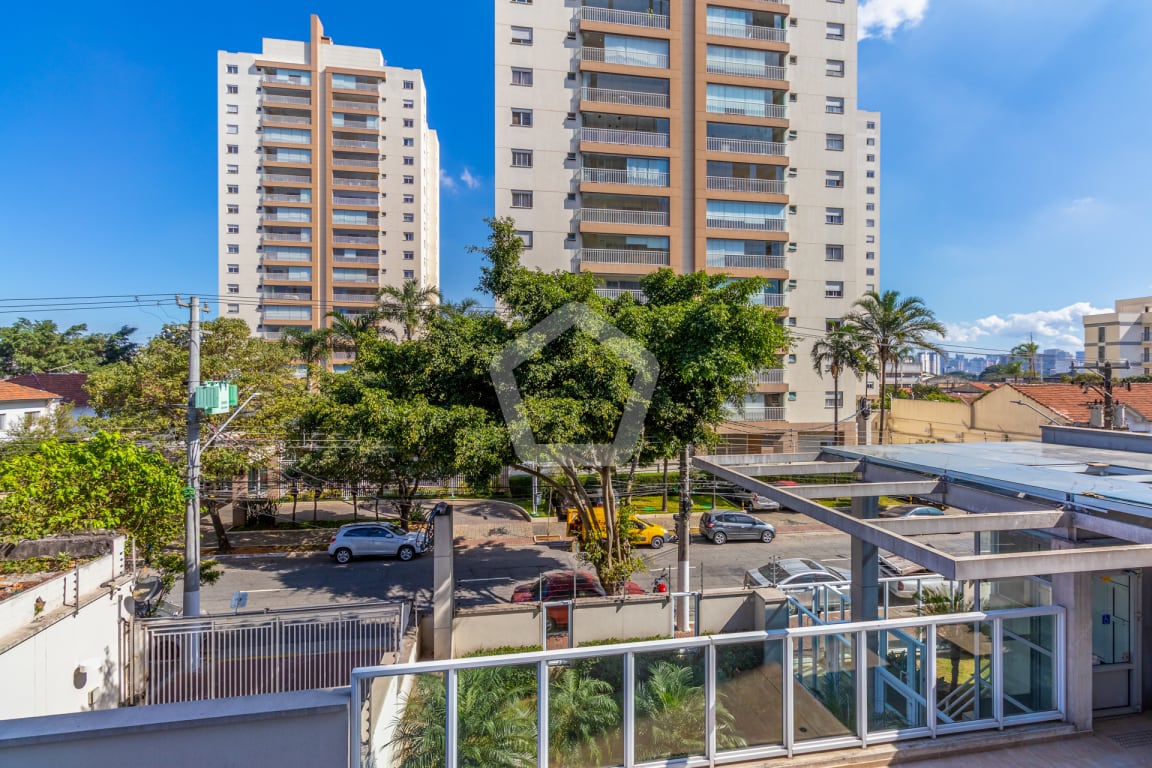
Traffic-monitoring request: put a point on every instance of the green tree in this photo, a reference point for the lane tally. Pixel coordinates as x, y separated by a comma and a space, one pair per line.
842, 350
670, 713
1004, 371
351, 332
581, 709
410, 305
1027, 353
892, 324
312, 347
39, 346
26, 435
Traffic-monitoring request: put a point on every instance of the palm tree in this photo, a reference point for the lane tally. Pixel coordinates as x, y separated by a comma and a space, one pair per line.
410, 305
1028, 352
670, 711
350, 331
842, 350
462, 307
580, 710
891, 323
311, 346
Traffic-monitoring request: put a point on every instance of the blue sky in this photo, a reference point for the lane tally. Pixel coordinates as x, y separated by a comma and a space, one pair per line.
1013, 197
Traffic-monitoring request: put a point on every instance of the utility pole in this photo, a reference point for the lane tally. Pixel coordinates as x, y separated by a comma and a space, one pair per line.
683, 535
1105, 390
192, 487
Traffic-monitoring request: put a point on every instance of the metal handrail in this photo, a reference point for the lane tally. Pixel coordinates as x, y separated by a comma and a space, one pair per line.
625, 58
631, 18
633, 98
627, 138
619, 216
746, 146
719, 106
633, 177
746, 31
737, 184
623, 256
762, 71
757, 225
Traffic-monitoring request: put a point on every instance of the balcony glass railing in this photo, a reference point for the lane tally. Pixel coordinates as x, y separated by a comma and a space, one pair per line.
287, 178
626, 138
633, 176
746, 108
355, 239
289, 237
747, 69
624, 57
354, 298
615, 293
631, 18
746, 31
618, 216
287, 78
746, 146
744, 261
738, 184
624, 256
281, 98
747, 223
349, 182
356, 106
628, 98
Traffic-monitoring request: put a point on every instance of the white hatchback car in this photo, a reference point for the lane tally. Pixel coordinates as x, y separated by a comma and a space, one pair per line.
363, 539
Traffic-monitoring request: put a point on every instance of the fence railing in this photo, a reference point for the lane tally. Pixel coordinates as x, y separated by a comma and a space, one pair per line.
213, 657
633, 98
741, 69
278, 98
615, 293
746, 146
746, 31
747, 108
356, 106
758, 225
741, 261
627, 58
747, 697
622, 256
627, 138
631, 18
290, 178
620, 216
639, 178
735, 184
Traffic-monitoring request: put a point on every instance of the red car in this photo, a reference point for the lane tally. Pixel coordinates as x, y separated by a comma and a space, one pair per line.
564, 585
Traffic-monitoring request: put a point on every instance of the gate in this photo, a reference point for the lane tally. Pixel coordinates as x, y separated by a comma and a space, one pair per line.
210, 657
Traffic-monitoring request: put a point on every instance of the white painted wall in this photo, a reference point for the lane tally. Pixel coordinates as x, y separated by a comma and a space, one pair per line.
14, 412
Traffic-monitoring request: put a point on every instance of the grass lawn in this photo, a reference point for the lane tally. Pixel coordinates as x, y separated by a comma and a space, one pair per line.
700, 503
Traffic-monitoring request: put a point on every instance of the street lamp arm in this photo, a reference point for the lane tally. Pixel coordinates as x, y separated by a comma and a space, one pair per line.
1037, 410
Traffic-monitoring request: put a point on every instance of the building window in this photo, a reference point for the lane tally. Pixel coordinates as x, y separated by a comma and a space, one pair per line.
833, 289
834, 142
870, 125
409, 179
409, 161
521, 158
409, 85
233, 149
870, 158
521, 198
408, 104
869, 206
870, 238
832, 323
833, 215
232, 129
834, 68
409, 236
833, 253
521, 35
834, 105
870, 255
1100, 333
522, 118
409, 122
233, 89
870, 272
233, 269
233, 248
409, 198
232, 169
409, 274
870, 174
233, 309
834, 31
1100, 355
870, 141
233, 209
232, 109
521, 76
526, 237
409, 255
870, 190
870, 222
233, 229
233, 288
834, 399
409, 217
232, 69
233, 189
834, 179
409, 141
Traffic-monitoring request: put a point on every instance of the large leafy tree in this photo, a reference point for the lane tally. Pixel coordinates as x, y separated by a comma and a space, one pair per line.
410, 305
842, 350
892, 324
38, 346
312, 347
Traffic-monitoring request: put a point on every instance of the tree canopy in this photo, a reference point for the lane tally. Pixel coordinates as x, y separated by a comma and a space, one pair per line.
39, 346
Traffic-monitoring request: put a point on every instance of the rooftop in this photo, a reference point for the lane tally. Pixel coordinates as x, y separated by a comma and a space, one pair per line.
69, 386
1071, 402
10, 391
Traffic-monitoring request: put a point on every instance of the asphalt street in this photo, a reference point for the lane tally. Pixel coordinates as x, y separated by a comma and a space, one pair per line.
488, 573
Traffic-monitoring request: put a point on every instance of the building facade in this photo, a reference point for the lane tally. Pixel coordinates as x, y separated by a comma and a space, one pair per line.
328, 182
719, 135
1123, 335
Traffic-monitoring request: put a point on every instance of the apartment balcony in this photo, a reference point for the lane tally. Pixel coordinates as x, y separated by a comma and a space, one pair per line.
760, 71
629, 98
341, 219
624, 138
273, 78
297, 217
744, 261
374, 260
748, 224
355, 144
769, 300
271, 97
758, 413
356, 106
374, 183
370, 202
617, 216
746, 146
746, 108
625, 58
770, 376
627, 18
278, 198
736, 184
285, 295
355, 240
287, 237
286, 178
623, 256
286, 254
350, 162
746, 31
285, 276
367, 279
286, 119
354, 298
615, 293
623, 176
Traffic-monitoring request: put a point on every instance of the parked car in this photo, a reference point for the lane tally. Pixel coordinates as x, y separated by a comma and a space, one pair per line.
363, 539
911, 510
794, 574
719, 527
564, 585
647, 534
910, 577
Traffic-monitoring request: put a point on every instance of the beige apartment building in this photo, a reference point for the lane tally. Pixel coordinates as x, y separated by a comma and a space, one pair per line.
1122, 335
329, 182
718, 135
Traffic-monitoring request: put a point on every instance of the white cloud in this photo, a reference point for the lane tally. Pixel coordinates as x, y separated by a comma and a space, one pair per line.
1056, 327
881, 18
447, 182
469, 180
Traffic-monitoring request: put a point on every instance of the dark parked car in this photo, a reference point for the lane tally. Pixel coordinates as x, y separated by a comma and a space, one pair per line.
722, 526
564, 585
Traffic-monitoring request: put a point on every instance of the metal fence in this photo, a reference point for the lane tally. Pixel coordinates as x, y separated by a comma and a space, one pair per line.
211, 657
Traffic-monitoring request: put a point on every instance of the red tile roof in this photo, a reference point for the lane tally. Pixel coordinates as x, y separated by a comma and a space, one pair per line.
10, 392
69, 386
1071, 402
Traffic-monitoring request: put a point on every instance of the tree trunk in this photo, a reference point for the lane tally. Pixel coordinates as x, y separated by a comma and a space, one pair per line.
664, 494
315, 502
222, 543
836, 409
355, 504
295, 498
632, 474
883, 385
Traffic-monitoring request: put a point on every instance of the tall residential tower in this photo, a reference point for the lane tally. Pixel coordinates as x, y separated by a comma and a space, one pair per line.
718, 135
329, 182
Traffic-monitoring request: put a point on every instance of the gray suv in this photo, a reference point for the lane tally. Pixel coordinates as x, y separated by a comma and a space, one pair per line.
722, 526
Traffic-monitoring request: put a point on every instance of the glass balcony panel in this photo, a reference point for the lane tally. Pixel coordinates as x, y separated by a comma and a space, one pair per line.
824, 687
1029, 665
586, 713
496, 711
418, 737
897, 679
671, 705
964, 672
749, 681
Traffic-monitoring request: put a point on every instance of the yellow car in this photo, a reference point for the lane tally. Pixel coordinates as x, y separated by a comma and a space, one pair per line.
646, 534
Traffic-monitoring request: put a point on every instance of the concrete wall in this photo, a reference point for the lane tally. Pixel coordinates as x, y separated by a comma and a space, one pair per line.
304, 728
607, 619
68, 656
992, 418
